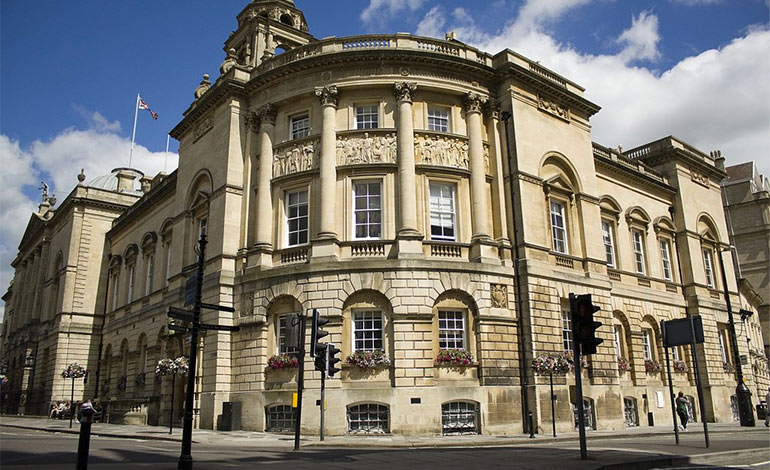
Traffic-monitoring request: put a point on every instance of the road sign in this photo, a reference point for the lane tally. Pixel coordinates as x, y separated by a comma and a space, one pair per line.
190, 288
679, 332
221, 308
181, 329
180, 314
219, 327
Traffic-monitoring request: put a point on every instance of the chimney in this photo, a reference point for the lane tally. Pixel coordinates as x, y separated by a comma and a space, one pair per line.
126, 177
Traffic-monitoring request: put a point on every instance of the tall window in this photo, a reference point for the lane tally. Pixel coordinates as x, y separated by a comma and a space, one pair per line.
168, 261
442, 211
723, 345
115, 290
618, 339
638, 251
367, 210
280, 333
675, 353
438, 119
203, 224
566, 329
707, 266
131, 280
367, 117
609, 245
367, 330
665, 256
451, 329
148, 278
558, 227
647, 344
297, 217
300, 126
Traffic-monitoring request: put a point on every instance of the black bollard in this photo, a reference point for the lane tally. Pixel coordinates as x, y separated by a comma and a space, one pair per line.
531, 426
87, 417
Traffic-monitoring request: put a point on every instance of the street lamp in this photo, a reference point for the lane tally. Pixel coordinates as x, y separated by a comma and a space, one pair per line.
742, 392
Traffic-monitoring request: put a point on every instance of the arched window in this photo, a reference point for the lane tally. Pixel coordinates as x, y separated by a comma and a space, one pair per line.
287, 19
560, 186
460, 417
454, 325
368, 313
631, 411
148, 251
368, 418
638, 221
610, 214
279, 313
280, 418
588, 412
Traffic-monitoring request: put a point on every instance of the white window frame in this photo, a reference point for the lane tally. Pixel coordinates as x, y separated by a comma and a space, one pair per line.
368, 211
708, 268
448, 320
609, 242
290, 218
131, 282
168, 262
366, 116
370, 334
439, 118
640, 261
665, 258
647, 343
115, 290
723, 345
443, 209
675, 353
299, 126
566, 330
150, 260
557, 211
618, 339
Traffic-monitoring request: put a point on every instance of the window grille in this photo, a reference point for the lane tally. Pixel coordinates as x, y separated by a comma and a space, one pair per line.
588, 413
609, 247
300, 127
368, 418
280, 418
367, 330
451, 329
367, 210
442, 211
367, 117
438, 119
566, 330
558, 227
460, 417
297, 217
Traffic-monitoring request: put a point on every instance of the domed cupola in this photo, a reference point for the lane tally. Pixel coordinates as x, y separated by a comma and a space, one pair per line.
266, 28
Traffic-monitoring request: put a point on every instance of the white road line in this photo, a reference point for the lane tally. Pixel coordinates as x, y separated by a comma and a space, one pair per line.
758, 464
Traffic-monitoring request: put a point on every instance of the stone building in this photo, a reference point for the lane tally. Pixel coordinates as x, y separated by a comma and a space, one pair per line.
426, 196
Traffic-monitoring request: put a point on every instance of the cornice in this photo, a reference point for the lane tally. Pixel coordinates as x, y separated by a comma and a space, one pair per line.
646, 180
166, 186
222, 88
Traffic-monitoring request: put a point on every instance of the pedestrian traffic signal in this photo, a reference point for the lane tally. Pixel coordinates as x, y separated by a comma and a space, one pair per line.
316, 333
320, 358
332, 359
584, 327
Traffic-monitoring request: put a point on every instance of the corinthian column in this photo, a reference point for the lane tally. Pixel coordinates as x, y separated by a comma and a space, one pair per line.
264, 216
328, 96
407, 220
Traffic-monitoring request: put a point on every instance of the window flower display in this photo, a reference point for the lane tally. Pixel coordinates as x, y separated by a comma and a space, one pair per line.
283, 361
454, 357
368, 359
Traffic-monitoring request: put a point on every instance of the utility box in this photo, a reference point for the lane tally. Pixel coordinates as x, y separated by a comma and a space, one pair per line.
230, 420
762, 411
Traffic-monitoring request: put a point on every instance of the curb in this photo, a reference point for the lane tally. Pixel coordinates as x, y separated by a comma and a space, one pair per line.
714, 458
93, 434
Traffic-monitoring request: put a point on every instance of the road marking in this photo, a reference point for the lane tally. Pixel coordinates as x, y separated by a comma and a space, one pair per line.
758, 464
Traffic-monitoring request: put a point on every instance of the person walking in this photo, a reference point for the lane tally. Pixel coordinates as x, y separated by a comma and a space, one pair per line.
681, 409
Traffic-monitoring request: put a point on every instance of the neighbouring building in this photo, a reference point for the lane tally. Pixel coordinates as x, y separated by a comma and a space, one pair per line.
427, 197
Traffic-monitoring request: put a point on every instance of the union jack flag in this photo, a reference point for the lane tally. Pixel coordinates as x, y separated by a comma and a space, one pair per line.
143, 105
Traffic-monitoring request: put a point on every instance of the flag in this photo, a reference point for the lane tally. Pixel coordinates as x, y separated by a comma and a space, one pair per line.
143, 105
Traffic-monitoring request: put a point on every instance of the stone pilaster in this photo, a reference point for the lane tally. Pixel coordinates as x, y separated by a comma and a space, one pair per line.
409, 238
326, 245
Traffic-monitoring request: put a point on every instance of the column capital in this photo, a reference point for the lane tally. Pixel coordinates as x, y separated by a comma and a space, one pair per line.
404, 91
492, 109
266, 114
474, 102
252, 121
328, 95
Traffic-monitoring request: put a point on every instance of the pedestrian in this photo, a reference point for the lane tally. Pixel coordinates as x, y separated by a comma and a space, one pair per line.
767, 405
681, 409
53, 411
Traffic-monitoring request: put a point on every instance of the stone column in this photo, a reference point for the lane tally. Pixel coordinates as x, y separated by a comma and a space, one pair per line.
409, 238
481, 243
326, 244
264, 216
497, 167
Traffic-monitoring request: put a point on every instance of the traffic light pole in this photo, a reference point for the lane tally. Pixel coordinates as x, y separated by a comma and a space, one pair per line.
670, 383
579, 399
323, 401
300, 380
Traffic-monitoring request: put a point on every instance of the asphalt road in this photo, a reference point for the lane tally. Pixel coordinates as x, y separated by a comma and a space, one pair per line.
29, 449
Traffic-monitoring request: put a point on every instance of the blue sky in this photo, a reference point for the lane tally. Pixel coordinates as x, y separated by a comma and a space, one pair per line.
70, 71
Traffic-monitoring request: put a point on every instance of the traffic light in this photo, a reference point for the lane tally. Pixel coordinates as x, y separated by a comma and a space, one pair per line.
332, 359
291, 330
584, 327
320, 358
316, 333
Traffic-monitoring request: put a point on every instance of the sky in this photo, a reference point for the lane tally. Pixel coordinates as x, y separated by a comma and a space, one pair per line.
70, 73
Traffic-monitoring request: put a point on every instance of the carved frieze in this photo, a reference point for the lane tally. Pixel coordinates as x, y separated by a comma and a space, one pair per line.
404, 91
499, 295
553, 108
366, 149
203, 127
698, 177
296, 158
441, 150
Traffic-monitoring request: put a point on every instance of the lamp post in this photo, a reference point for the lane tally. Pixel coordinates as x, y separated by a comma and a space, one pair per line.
29, 372
742, 392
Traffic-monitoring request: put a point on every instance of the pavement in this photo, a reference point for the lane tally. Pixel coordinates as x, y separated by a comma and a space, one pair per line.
643, 447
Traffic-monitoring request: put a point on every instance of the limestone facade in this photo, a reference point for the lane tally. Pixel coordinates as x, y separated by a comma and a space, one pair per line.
425, 196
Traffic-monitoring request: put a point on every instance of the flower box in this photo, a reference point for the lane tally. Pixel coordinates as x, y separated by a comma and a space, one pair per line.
282, 361
454, 357
680, 367
623, 365
652, 367
368, 359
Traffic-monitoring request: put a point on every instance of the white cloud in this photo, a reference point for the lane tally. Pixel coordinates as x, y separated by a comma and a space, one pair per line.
379, 11
97, 149
718, 98
696, 2
640, 41
432, 23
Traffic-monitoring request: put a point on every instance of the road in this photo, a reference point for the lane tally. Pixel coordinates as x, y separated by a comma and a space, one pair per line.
22, 449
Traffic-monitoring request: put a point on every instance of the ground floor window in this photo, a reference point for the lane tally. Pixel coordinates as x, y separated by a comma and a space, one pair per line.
280, 418
588, 412
734, 408
368, 418
691, 415
630, 411
460, 417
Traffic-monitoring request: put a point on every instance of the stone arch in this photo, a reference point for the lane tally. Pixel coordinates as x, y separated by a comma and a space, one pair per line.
664, 224
637, 215
610, 205
148, 241
287, 19
377, 307
279, 306
707, 228
457, 301
130, 252
200, 190
556, 169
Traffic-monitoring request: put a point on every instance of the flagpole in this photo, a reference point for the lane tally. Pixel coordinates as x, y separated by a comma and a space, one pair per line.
133, 134
165, 162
